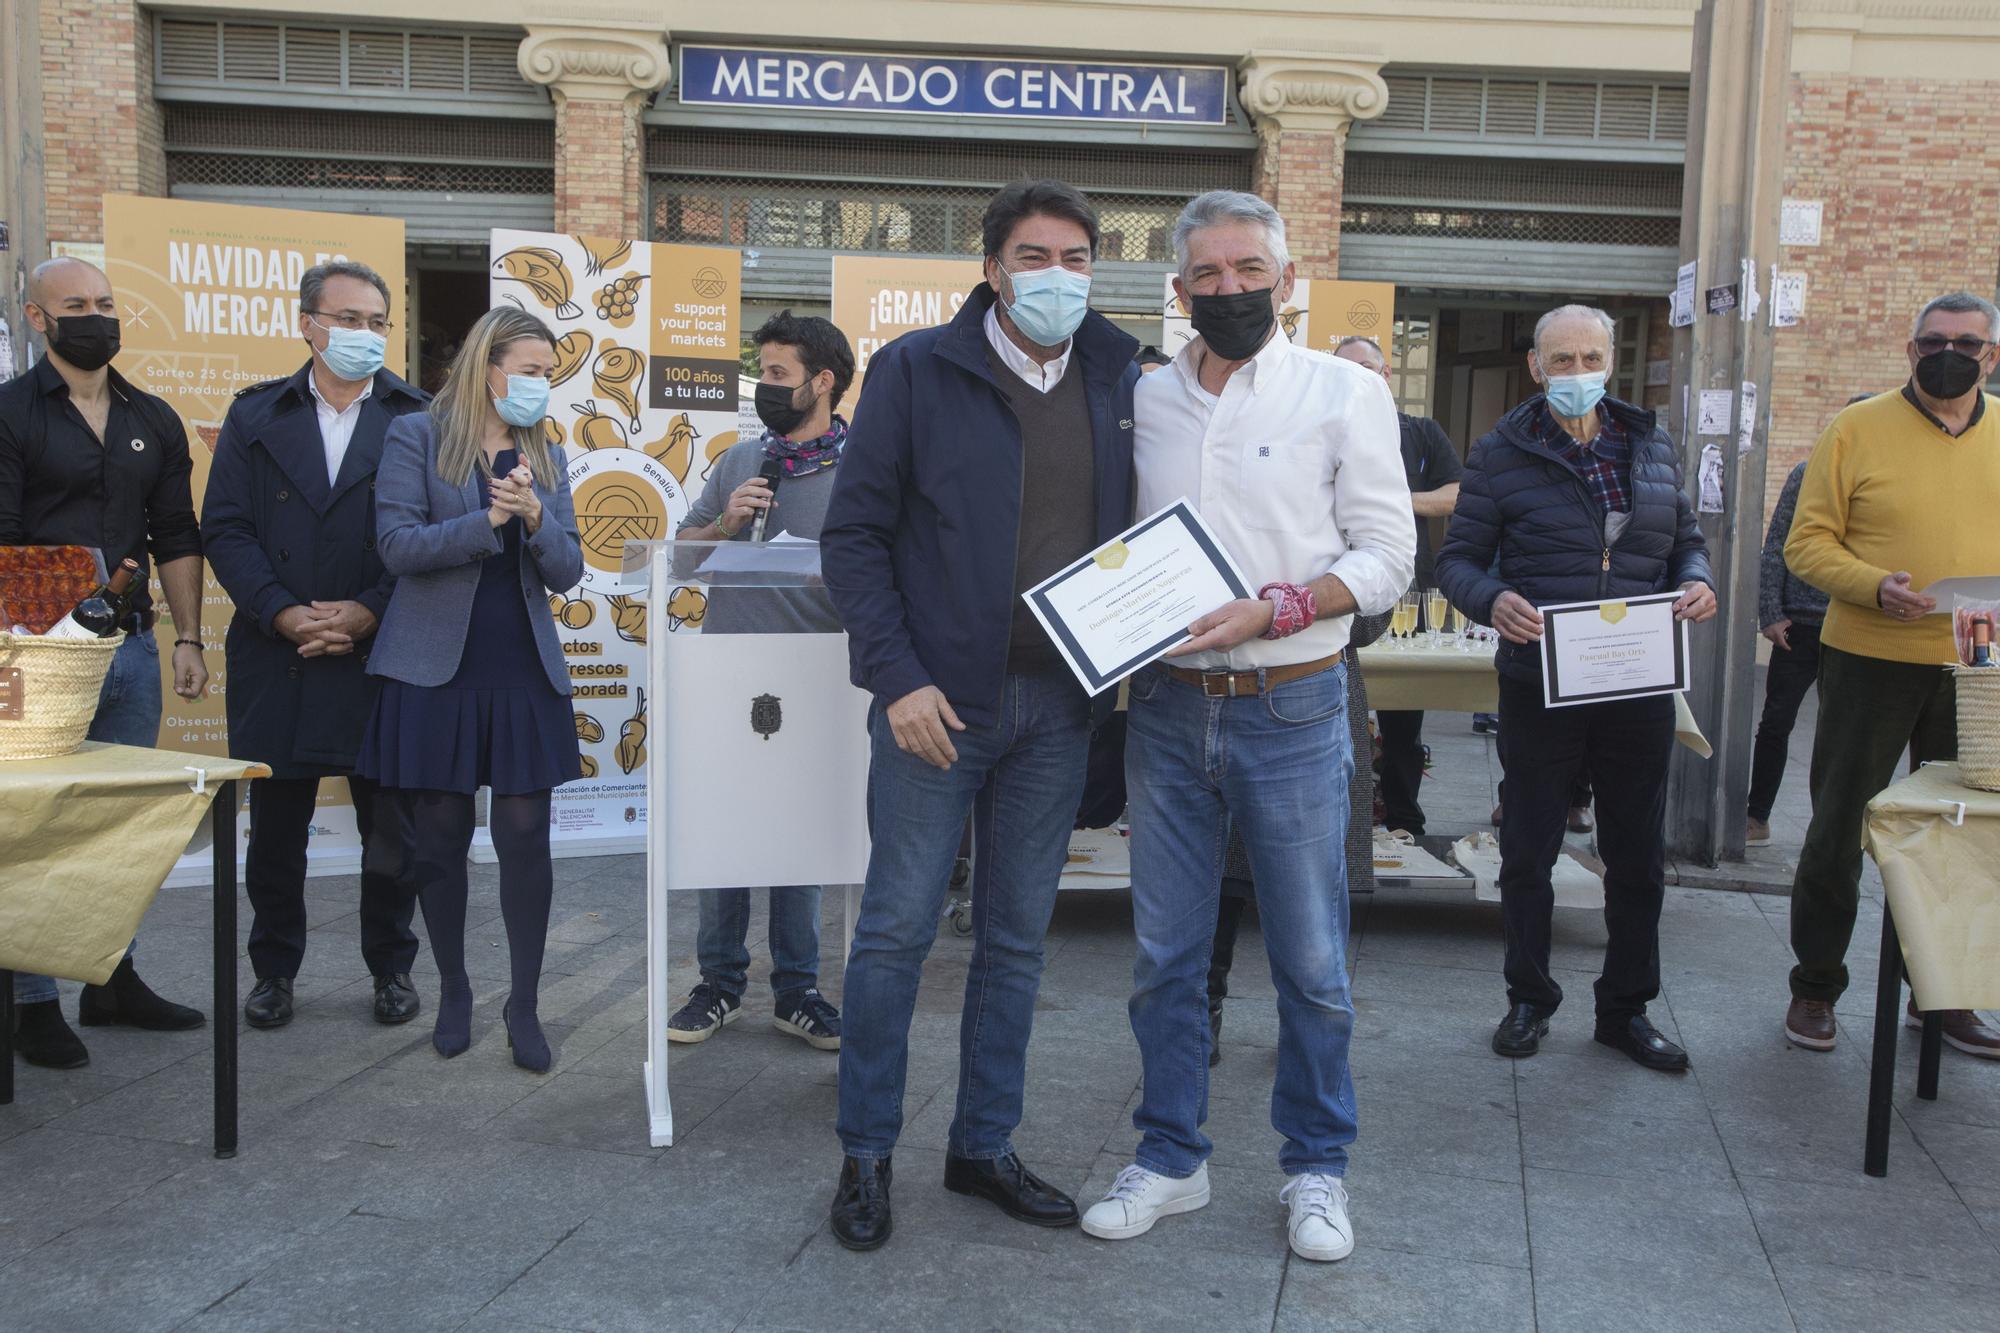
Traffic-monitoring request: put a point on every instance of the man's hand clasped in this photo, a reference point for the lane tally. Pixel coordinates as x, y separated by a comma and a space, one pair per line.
326, 629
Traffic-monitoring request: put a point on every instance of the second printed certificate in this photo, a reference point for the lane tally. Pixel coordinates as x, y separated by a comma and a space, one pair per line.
1594, 652
1130, 601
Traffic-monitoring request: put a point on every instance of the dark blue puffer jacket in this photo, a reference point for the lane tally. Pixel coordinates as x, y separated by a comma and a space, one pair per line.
1520, 503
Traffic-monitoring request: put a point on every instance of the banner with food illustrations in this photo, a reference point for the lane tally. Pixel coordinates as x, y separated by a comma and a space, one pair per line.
208, 304
1321, 312
644, 400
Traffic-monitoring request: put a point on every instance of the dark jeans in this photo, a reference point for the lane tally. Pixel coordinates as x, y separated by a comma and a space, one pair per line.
1869, 710
1402, 769
1790, 677
274, 876
1623, 747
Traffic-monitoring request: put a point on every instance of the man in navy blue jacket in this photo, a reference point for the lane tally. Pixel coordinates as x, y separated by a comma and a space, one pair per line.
289, 525
984, 456
1579, 496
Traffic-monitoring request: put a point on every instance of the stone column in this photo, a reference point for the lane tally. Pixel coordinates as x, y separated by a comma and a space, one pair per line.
1304, 103
600, 78
101, 126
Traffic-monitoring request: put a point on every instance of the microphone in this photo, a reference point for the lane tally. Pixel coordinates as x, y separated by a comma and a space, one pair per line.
773, 472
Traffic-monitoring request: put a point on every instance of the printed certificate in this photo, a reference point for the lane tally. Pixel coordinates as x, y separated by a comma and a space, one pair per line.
1131, 600
1594, 652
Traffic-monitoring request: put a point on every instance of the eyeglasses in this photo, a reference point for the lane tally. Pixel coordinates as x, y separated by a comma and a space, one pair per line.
1931, 344
347, 319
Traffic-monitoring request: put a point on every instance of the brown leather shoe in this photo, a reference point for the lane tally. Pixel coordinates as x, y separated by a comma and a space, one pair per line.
1809, 1023
1964, 1030
1579, 819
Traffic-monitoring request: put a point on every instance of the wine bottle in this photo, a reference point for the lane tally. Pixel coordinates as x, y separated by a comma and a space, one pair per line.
1982, 640
97, 616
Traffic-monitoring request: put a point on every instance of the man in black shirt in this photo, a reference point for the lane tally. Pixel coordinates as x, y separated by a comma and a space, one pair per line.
88, 460
1431, 466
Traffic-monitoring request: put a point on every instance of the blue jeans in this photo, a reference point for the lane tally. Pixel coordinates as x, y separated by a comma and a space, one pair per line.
128, 713
1278, 765
725, 926
1021, 781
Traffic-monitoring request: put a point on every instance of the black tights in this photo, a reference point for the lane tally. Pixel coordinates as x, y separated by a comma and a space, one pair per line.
441, 831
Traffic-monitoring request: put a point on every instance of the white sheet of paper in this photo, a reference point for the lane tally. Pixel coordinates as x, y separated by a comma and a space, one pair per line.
1680, 304
1976, 587
1716, 405
1595, 652
1746, 420
1788, 297
782, 554
1129, 602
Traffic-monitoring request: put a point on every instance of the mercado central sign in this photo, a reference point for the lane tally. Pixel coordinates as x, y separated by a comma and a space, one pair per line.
953, 85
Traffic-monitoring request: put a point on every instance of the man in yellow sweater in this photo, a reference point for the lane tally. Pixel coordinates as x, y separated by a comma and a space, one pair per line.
1902, 490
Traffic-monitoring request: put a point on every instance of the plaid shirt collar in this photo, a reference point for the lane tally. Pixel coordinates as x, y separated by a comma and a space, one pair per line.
1605, 462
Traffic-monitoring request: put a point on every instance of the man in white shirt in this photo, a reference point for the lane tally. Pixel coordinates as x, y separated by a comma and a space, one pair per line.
288, 523
1293, 459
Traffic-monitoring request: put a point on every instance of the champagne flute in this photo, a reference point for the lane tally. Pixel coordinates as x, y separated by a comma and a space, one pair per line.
1435, 607
1408, 608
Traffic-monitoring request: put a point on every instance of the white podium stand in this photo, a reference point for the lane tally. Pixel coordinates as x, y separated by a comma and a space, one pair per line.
757, 749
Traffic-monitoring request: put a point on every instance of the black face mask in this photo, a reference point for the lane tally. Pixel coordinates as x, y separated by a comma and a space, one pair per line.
776, 410
1948, 373
87, 342
1234, 326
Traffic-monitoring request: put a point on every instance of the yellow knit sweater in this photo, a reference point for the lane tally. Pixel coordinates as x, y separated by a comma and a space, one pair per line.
1887, 490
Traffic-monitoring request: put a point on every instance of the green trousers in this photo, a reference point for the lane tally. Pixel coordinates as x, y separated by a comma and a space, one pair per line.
1869, 711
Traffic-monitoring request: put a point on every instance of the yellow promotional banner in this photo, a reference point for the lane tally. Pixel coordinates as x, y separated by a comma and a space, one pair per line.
208, 302
1336, 308
645, 399
879, 298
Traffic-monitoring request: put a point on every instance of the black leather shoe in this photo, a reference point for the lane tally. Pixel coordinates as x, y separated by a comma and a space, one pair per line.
1520, 1033
1638, 1038
396, 999
861, 1203
42, 1038
270, 1003
1019, 1192
128, 1000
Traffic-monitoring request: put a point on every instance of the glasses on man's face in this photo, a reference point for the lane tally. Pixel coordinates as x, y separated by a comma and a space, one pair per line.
349, 319
1931, 344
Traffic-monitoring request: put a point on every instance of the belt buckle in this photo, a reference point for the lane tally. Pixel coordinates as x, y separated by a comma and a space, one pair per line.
1218, 684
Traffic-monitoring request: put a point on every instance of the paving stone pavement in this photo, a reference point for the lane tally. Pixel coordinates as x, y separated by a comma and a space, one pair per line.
380, 1186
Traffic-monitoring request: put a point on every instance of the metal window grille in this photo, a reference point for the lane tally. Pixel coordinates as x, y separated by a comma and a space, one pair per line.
1470, 107
1615, 203
191, 53
279, 148
787, 191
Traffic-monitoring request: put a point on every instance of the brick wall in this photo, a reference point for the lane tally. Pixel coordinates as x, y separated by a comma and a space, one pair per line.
102, 128
1299, 172
600, 190
1911, 187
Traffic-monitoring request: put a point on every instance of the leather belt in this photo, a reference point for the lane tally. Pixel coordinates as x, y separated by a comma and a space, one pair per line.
1247, 684
137, 622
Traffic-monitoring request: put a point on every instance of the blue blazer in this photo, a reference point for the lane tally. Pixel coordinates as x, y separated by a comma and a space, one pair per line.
433, 536
278, 535
919, 538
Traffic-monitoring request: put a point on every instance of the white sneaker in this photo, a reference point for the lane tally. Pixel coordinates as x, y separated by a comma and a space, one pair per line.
1139, 1198
1319, 1229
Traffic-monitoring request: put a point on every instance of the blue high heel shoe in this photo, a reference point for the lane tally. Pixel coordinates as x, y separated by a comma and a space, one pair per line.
530, 1046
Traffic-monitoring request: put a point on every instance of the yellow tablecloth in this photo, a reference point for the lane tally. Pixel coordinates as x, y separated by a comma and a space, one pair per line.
1444, 680
86, 840
1938, 844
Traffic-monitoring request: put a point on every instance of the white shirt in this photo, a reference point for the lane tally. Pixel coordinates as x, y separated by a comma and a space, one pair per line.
336, 428
1036, 375
1298, 467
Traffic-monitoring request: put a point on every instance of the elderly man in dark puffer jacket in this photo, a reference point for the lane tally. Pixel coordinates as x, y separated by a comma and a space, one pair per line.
1579, 496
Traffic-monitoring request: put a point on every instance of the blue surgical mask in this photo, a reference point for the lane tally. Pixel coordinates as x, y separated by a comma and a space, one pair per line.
527, 400
1574, 396
1049, 303
353, 354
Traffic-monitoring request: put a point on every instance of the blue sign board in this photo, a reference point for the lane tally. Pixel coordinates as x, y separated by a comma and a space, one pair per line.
953, 85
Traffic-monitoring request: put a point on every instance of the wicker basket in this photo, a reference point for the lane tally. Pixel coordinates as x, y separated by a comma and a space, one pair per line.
48, 692
1978, 691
